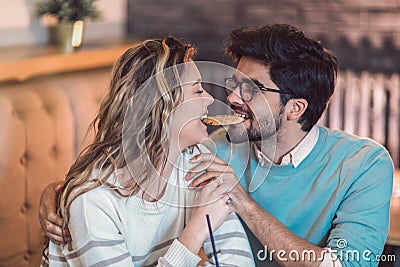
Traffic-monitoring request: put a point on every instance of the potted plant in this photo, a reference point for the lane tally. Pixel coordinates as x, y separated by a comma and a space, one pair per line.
70, 16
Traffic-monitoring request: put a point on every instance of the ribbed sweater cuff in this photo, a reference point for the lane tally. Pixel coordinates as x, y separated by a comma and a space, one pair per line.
179, 255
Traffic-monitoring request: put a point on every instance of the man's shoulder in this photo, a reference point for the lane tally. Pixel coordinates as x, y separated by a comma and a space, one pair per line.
351, 143
346, 138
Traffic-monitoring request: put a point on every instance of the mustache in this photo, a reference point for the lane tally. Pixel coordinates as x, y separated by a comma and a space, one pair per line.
241, 109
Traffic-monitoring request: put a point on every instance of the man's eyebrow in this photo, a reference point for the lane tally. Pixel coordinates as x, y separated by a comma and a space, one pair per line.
236, 78
252, 80
249, 80
257, 82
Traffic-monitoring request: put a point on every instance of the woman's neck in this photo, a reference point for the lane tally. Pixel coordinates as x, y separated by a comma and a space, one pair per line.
156, 187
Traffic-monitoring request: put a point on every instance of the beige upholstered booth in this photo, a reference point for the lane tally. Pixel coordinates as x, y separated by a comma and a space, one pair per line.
46, 105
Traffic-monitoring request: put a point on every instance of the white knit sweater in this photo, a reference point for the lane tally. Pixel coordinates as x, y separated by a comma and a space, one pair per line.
109, 230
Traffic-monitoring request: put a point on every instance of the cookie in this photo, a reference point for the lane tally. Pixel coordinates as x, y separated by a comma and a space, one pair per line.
222, 120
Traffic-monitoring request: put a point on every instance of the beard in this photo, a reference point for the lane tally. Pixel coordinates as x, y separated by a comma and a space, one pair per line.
263, 128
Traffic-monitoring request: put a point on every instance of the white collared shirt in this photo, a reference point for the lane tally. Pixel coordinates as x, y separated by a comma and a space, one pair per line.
297, 154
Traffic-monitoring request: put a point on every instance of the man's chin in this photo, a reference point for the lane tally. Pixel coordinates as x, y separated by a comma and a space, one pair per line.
236, 136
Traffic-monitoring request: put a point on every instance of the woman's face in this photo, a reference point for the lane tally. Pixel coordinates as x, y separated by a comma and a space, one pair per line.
187, 126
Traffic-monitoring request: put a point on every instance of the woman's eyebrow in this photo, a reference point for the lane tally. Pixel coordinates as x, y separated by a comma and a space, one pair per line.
196, 82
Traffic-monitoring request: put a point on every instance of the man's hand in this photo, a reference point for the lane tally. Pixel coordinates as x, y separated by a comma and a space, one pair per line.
50, 221
223, 174
269, 230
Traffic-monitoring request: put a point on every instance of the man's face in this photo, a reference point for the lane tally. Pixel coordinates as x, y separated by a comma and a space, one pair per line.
264, 113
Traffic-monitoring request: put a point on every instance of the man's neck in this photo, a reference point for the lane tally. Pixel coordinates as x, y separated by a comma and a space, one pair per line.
285, 139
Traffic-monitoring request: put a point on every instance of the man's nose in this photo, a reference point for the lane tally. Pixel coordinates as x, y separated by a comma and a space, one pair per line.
235, 98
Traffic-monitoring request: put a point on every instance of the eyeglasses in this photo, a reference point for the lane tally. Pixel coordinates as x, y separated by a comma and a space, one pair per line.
248, 88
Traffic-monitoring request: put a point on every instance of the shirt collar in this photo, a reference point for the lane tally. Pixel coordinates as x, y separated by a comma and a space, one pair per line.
297, 154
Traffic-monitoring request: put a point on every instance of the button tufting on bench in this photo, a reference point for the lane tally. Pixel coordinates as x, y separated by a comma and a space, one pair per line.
46, 108
23, 160
44, 119
53, 152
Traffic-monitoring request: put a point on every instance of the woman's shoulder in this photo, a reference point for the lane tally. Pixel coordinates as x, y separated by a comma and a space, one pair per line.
100, 197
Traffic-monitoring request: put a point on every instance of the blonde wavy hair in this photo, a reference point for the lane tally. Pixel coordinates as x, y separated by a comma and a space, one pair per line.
151, 102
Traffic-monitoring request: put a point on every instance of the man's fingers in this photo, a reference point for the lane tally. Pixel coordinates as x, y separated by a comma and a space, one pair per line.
55, 219
207, 157
57, 239
53, 229
205, 179
209, 167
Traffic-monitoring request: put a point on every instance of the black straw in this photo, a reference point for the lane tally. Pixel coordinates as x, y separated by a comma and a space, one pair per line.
212, 240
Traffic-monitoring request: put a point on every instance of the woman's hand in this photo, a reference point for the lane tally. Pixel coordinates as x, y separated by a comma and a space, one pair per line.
50, 221
209, 200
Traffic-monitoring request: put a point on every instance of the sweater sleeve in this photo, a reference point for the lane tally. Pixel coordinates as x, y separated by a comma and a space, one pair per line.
231, 244
97, 238
95, 232
361, 223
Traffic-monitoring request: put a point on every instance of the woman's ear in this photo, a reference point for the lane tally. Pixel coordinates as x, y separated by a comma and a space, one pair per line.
297, 107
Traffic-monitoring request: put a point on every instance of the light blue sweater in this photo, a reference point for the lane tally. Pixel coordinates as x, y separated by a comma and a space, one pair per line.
338, 197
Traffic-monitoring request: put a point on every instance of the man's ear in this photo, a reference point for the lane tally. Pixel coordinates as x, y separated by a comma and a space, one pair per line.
296, 108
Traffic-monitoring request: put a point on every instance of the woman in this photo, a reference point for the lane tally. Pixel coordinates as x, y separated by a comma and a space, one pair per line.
125, 199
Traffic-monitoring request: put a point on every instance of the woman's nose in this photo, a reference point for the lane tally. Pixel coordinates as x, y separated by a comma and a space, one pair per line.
209, 98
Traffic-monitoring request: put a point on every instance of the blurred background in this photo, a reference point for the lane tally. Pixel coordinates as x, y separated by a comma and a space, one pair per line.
365, 35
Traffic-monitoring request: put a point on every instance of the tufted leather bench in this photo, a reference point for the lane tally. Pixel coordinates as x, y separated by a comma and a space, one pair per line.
42, 124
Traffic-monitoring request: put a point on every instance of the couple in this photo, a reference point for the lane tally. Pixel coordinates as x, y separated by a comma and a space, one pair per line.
320, 191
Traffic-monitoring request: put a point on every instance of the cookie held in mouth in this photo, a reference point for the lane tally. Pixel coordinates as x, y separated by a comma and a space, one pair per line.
218, 120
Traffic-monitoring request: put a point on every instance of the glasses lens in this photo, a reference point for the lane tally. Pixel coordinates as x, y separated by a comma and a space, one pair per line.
247, 91
230, 85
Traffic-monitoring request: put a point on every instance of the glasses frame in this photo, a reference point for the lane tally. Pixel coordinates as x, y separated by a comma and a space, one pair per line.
259, 86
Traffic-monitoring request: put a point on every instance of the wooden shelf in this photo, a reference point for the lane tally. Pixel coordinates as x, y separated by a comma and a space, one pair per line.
22, 69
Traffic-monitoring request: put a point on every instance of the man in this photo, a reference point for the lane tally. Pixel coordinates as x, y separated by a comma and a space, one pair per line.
321, 197
309, 196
